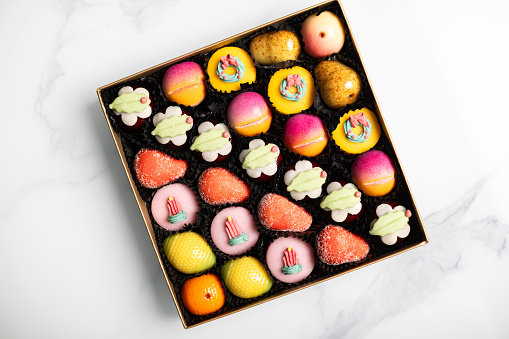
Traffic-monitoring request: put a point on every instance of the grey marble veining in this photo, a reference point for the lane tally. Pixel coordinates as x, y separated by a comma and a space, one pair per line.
75, 258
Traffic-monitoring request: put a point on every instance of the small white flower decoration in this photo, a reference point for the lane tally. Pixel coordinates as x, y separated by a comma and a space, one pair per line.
390, 239
269, 169
131, 118
337, 214
178, 140
301, 167
210, 156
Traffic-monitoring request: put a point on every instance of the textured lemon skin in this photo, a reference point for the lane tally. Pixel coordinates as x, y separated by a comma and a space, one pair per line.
189, 253
246, 277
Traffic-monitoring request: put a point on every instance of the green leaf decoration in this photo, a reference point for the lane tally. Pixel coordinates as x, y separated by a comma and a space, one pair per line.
260, 157
172, 126
340, 199
129, 103
307, 181
389, 223
209, 141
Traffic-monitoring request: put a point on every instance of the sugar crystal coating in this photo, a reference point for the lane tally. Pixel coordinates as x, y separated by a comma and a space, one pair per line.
336, 246
154, 169
280, 214
218, 186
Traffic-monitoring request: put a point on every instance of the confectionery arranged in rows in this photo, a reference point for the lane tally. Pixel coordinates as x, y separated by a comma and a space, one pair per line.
263, 164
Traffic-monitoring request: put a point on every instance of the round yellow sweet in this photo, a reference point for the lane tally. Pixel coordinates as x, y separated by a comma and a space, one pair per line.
246, 277
249, 73
287, 106
351, 147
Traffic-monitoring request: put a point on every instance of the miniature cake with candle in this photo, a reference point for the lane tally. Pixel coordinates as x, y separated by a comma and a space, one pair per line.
291, 90
290, 260
305, 180
173, 206
344, 202
357, 131
261, 160
132, 107
171, 127
233, 230
213, 142
229, 67
391, 224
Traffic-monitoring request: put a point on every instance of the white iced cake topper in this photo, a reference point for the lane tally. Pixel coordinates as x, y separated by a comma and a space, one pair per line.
384, 210
131, 118
269, 169
340, 214
211, 155
305, 180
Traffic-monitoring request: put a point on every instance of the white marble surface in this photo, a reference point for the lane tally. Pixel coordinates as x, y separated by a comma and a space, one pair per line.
75, 258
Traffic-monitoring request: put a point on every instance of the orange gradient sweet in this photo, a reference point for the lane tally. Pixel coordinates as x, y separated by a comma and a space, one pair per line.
184, 84
218, 186
249, 114
203, 295
305, 134
374, 174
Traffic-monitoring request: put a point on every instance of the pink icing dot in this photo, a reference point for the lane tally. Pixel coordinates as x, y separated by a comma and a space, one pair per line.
408, 214
365, 137
238, 76
189, 120
297, 97
273, 149
226, 134
357, 194
323, 174
285, 94
239, 72
224, 77
143, 100
367, 132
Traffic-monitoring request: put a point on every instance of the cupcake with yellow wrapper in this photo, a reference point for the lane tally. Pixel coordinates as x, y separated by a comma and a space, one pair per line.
229, 67
291, 90
357, 131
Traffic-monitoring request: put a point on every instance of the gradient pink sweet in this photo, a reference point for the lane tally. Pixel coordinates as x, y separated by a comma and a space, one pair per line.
187, 201
246, 223
184, 83
305, 257
305, 134
373, 172
249, 114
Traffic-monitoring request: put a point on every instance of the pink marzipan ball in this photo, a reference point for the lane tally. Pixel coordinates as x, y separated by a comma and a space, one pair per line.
305, 134
322, 34
249, 114
374, 174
